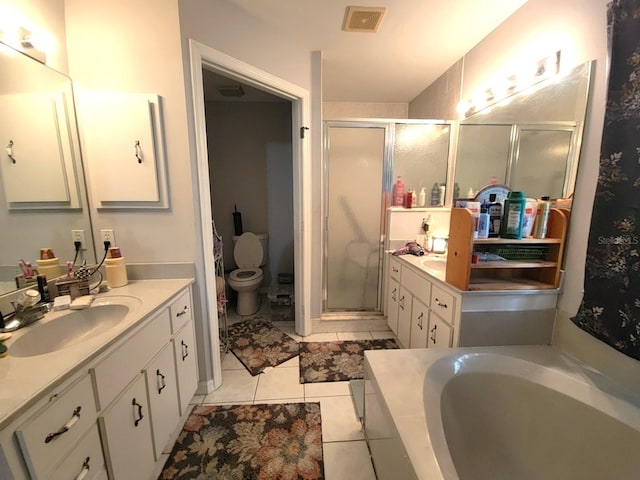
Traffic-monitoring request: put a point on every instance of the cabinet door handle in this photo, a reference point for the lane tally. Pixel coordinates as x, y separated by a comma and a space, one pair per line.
140, 416
185, 350
75, 416
420, 317
394, 294
85, 469
401, 302
443, 305
395, 270
161, 382
433, 334
183, 311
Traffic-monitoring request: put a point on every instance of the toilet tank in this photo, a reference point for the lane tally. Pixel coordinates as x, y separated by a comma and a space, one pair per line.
264, 242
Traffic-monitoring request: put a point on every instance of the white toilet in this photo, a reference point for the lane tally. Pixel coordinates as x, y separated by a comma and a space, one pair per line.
250, 253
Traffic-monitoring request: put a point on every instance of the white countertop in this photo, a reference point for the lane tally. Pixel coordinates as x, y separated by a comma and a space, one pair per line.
22, 379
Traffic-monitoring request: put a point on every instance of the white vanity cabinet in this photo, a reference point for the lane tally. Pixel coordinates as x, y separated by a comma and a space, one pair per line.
393, 293
113, 414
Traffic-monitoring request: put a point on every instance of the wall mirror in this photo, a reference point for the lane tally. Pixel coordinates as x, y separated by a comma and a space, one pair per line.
42, 189
530, 141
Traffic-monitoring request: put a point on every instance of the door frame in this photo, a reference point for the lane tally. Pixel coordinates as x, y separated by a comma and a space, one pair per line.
202, 56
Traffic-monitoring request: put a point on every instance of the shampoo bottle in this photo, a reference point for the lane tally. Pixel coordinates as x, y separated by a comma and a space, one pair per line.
441, 190
435, 195
422, 198
398, 193
513, 217
495, 216
542, 218
483, 223
408, 199
414, 198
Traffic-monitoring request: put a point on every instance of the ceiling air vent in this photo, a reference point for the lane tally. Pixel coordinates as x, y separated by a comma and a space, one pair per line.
231, 90
363, 19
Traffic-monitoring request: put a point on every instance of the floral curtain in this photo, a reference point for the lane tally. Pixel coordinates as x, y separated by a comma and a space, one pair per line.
610, 310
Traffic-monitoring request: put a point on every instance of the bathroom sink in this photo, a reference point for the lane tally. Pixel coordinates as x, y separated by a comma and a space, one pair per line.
434, 263
59, 330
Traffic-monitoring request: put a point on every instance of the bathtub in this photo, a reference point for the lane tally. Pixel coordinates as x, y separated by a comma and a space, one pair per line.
515, 413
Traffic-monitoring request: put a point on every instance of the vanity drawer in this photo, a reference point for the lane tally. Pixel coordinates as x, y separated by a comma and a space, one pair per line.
115, 372
47, 436
85, 459
419, 286
180, 310
442, 303
394, 267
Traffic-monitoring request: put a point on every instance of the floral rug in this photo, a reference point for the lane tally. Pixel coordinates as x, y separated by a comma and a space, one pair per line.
259, 345
337, 361
241, 442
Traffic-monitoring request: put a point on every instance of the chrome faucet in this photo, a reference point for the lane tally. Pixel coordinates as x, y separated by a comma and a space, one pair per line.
23, 316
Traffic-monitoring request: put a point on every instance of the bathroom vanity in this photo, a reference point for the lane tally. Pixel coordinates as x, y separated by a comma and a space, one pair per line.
106, 402
424, 311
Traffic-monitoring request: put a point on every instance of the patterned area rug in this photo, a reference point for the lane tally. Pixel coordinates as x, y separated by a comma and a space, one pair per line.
337, 361
237, 442
259, 345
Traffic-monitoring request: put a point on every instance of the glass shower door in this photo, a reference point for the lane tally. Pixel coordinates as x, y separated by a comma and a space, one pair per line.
355, 161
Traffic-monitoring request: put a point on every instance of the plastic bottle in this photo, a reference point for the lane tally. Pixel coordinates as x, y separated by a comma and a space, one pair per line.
483, 223
542, 218
456, 190
422, 198
408, 199
398, 193
511, 226
414, 198
435, 195
441, 189
494, 209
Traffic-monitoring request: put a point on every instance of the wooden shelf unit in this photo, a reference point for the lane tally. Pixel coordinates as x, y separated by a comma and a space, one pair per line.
539, 274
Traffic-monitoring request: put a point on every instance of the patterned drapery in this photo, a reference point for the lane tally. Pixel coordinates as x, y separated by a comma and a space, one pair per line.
610, 309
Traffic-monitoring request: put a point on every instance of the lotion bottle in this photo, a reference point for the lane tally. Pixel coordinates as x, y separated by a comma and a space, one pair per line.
422, 198
398, 193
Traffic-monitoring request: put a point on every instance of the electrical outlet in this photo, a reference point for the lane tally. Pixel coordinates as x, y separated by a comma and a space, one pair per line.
78, 236
108, 236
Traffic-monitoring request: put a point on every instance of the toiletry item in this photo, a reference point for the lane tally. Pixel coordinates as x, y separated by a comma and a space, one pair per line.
435, 195
456, 190
495, 216
49, 264
43, 288
27, 271
237, 221
116, 268
62, 302
426, 243
422, 197
29, 298
398, 193
530, 209
474, 209
414, 198
470, 193
82, 302
441, 189
408, 199
513, 216
483, 223
542, 218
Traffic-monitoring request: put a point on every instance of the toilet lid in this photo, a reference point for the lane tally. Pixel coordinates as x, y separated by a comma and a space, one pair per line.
248, 251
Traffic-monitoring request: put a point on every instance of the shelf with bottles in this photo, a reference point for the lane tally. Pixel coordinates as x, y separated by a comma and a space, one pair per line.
524, 264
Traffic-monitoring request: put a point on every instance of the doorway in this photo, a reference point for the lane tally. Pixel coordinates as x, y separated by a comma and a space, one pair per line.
202, 56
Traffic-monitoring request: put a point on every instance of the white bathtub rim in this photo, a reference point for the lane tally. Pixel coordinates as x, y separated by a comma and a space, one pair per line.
574, 382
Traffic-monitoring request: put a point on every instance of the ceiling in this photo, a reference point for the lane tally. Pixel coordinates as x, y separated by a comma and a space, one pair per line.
417, 41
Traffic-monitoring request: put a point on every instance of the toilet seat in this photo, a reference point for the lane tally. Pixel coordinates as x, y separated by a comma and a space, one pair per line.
245, 275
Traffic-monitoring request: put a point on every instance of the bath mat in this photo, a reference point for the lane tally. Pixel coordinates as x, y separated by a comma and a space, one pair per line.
259, 345
337, 361
277, 441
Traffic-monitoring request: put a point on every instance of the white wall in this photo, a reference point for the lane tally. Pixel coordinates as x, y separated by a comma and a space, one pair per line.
440, 99
340, 110
578, 29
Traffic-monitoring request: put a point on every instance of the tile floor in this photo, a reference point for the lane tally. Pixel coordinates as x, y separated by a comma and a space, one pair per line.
346, 456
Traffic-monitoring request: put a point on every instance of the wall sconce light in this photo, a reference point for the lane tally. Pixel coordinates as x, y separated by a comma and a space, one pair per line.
439, 245
24, 41
501, 89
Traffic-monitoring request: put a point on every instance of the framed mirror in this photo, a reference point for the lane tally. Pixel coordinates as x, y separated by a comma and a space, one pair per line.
529, 141
43, 196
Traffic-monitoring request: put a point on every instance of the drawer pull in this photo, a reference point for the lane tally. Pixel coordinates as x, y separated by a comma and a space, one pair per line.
137, 420
85, 469
65, 428
443, 305
401, 302
394, 269
420, 317
433, 334
185, 350
161, 382
184, 310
